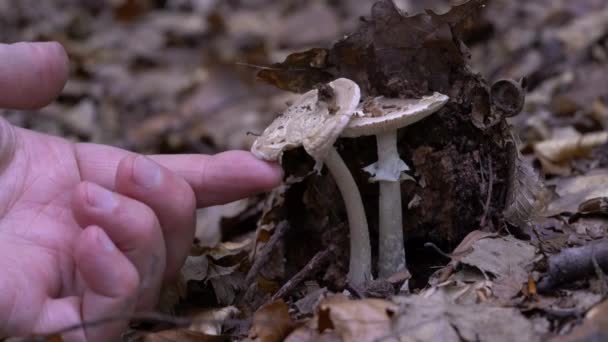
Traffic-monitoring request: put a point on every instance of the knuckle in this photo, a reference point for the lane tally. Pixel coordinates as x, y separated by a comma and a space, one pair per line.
142, 231
147, 223
131, 282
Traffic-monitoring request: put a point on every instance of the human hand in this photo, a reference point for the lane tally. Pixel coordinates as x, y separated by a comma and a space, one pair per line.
87, 231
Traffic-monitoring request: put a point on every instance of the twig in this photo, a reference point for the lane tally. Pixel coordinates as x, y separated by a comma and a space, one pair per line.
447, 255
574, 263
320, 259
140, 316
600, 274
266, 252
355, 291
262, 67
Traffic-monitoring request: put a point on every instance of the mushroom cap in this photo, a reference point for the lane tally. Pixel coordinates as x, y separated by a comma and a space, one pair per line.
310, 122
394, 113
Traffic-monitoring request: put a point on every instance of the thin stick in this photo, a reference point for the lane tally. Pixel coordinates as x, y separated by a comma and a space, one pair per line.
318, 261
266, 252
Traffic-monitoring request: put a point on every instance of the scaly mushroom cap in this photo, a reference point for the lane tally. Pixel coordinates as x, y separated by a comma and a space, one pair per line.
382, 115
389, 114
310, 122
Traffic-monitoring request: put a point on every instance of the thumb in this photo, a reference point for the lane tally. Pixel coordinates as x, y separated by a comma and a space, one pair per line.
7, 143
111, 285
31, 74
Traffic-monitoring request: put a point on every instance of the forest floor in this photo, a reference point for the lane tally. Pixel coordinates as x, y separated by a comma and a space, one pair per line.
179, 76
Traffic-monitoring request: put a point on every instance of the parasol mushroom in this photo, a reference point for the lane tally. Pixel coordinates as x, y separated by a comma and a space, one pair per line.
316, 124
382, 117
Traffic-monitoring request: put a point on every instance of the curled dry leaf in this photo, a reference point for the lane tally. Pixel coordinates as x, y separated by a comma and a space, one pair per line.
299, 72
594, 206
271, 323
466, 245
226, 280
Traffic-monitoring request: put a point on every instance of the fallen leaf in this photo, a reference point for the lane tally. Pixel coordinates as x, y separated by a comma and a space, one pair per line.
573, 191
351, 320
436, 318
508, 259
594, 327
271, 323
299, 73
556, 154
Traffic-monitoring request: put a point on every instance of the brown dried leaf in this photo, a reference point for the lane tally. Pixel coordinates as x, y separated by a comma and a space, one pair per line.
350, 320
507, 258
436, 318
271, 323
418, 53
299, 73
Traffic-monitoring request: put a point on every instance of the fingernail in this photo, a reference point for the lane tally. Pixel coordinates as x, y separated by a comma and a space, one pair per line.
146, 173
105, 241
100, 198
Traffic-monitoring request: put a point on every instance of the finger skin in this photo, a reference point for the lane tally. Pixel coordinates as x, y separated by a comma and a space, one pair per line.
224, 177
217, 179
33, 74
169, 196
7, 143
112, 284
133, 227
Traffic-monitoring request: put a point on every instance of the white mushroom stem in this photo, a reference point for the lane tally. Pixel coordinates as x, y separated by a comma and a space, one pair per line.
359, 272
391, 248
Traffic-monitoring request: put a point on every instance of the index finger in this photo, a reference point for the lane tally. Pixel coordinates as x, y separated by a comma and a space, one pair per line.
215, 179
224, 177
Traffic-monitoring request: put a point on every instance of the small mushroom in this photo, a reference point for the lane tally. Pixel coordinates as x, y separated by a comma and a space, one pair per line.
316, 124
382, 117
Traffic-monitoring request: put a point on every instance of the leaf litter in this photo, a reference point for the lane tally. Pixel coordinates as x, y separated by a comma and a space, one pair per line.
518, 199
